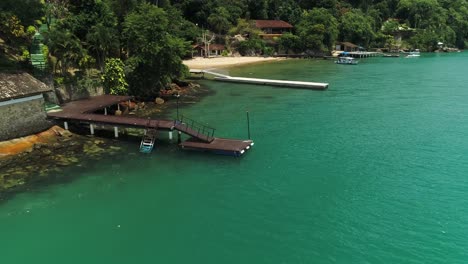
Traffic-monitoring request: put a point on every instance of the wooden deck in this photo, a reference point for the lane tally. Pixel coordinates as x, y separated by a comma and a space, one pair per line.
82, 111
220, 146
93, 104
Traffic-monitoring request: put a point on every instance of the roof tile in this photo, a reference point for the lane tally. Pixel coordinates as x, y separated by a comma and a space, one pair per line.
272, 24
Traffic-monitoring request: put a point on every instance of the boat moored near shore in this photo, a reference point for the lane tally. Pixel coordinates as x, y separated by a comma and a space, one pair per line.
413, 54
346, 60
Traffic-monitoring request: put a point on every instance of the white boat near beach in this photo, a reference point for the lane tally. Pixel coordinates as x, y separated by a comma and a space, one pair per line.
346, 60
413, 54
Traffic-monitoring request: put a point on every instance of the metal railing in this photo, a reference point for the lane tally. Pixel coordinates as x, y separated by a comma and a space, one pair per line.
188, 124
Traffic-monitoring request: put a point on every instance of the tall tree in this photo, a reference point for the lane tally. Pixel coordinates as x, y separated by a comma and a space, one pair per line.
219, 20
154, 55
421, 13
356, 27
287, 10
318, 29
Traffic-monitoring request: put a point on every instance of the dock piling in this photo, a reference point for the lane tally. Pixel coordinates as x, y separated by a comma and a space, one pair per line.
91, 129
65, 125
116, 132
248, 124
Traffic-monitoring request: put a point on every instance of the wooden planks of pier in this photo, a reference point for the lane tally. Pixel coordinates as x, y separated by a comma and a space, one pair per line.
202, 137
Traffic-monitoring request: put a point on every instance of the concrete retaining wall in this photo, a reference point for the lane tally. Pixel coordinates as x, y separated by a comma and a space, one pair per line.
22, 119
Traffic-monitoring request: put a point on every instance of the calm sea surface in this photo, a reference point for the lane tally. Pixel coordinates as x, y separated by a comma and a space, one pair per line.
373, 170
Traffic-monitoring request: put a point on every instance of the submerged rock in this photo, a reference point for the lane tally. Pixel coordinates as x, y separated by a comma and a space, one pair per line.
159, 101
46, 161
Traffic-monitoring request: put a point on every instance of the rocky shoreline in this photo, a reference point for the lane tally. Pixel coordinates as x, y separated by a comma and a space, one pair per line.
42, 158
56, 150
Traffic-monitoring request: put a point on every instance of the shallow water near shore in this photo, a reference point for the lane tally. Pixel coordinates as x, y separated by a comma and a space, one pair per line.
373, 170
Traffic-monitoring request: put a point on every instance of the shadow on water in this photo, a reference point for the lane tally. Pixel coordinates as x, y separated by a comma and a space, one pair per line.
268, 97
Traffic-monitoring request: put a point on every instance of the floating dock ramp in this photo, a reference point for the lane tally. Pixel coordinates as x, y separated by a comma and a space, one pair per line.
281, 83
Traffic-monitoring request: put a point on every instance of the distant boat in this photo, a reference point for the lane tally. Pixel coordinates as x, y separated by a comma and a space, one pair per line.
413, 54
391, 55
346, 60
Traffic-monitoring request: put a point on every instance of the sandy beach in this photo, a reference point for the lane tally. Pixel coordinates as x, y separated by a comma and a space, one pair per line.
220, 62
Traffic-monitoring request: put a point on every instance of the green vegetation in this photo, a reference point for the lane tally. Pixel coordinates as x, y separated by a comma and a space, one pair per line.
148, 39
113, 77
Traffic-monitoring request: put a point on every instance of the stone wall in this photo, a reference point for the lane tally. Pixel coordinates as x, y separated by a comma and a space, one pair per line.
21, 119
72, 92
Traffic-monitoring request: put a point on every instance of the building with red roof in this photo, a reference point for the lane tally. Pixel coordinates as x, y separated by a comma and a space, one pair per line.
273, 28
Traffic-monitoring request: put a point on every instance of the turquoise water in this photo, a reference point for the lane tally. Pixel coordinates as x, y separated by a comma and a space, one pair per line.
373, 170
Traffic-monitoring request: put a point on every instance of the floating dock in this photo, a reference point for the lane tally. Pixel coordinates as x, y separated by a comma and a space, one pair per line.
220, 146
202, 137
281, 83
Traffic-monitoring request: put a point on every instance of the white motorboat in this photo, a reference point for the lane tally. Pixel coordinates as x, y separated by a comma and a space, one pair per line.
413, 54
346, 60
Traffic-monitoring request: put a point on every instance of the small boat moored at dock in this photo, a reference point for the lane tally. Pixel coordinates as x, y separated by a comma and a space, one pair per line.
346, 60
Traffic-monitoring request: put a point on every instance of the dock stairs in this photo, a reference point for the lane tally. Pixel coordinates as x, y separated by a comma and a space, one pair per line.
149, 138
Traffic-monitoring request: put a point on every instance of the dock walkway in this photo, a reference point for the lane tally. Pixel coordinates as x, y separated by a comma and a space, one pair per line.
202, 137
363, 54
280, 83
271, 82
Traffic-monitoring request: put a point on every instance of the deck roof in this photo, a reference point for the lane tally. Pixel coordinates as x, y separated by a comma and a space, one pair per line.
272, 24
17, 85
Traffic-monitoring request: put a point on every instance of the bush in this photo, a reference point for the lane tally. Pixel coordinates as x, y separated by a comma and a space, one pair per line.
25, 56
113, 78
289, 42
268, 51
86, 84
30, 31
59, 81
251, 47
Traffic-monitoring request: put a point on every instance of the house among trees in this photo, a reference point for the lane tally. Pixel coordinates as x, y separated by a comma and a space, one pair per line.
273, 28
22, 110
346, 46
213, 50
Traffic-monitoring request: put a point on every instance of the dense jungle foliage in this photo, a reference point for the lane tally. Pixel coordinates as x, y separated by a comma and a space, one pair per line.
143, 42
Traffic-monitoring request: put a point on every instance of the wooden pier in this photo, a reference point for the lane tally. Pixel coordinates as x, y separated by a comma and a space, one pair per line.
281, 83
202, 137
363, 54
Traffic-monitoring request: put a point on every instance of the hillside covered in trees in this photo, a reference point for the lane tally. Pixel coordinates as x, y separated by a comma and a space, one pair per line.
137, 46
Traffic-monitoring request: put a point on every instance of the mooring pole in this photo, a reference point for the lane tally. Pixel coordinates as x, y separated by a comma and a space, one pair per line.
248, 124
